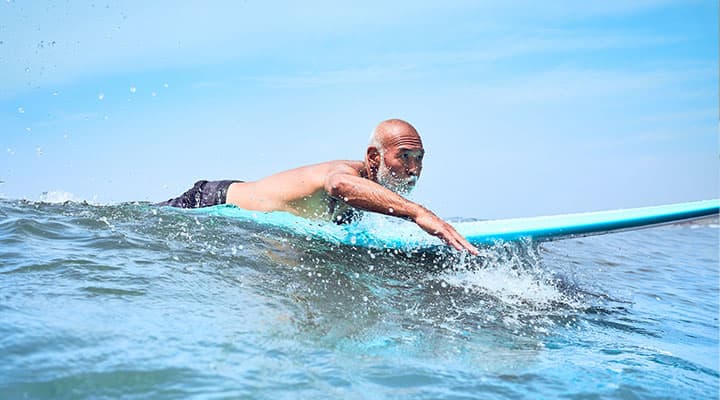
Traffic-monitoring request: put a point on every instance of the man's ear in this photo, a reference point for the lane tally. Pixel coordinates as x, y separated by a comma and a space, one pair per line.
372, 158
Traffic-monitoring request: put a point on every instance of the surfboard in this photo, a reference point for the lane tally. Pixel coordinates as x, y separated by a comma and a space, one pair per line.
375, 231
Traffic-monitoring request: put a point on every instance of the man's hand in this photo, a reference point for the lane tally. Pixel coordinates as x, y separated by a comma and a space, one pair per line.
364, 194
433, 225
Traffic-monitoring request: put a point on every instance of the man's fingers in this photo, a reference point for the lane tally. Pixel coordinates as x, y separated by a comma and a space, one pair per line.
469, 247
450, 236
461, 244
457, 245
450, 240
472, 249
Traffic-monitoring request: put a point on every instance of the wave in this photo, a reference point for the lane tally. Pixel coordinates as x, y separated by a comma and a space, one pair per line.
167, 288
507, 277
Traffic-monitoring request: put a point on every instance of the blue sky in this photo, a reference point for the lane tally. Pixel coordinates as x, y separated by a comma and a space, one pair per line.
525, 107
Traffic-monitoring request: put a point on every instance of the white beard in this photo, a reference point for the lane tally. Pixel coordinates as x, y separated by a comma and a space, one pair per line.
388, 180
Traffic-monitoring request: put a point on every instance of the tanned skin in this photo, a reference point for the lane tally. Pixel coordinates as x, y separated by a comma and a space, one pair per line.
327, 190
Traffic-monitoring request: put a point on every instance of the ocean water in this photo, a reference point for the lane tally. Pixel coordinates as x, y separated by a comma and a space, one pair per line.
132, 301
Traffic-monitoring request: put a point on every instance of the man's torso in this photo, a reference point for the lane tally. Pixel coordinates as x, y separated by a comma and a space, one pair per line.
299, 191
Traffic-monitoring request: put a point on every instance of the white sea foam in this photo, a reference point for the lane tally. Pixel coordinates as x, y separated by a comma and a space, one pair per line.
509, 286
61, 196
513, 276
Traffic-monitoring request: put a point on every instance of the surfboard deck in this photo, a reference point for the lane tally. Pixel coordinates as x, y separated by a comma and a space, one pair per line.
381, 232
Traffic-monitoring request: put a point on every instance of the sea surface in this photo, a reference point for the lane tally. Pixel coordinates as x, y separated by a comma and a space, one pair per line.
133, 301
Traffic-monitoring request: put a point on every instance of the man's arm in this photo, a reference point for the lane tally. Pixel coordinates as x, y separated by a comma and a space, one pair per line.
345, 184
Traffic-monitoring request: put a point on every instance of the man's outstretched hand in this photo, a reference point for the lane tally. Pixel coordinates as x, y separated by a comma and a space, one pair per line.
434, 225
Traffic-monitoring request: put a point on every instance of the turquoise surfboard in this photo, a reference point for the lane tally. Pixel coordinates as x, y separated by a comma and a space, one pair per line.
385, 232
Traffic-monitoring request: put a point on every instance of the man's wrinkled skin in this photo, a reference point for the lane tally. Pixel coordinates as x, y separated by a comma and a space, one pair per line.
330, 190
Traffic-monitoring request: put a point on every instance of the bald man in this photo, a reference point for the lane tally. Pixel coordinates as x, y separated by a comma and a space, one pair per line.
339, 190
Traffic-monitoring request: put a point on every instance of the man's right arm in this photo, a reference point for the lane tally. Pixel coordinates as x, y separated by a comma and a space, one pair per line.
367, 195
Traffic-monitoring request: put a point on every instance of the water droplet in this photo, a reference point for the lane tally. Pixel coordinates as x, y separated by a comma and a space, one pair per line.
66, 135
21, 110
133, 89
11, 151
28, 130
39, 151
153, 94
391, 210
56, 93
165, 85
27, 70
101, 96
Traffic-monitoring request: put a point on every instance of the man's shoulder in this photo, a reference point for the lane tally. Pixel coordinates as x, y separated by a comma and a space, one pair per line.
350, 167
350, 163
326, 169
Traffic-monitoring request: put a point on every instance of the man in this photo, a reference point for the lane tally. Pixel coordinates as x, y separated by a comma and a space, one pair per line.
336, 190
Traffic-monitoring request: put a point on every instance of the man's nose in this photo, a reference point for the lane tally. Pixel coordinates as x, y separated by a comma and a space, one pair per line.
414, 169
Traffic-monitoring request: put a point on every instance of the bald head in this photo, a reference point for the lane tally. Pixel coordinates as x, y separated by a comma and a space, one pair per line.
394, 156
394, 132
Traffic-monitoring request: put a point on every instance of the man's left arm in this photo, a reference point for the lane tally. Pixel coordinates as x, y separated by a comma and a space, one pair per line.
348, 186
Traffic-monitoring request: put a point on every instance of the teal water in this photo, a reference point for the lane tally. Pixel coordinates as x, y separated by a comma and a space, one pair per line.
131, 301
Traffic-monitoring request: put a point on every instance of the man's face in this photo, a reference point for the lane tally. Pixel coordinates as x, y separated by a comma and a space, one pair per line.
400, 166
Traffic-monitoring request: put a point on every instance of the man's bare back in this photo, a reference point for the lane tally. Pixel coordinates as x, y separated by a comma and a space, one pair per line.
300, 191
333, 189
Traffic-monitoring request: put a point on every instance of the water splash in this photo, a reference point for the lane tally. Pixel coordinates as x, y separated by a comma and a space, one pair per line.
512, 273
59, 197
